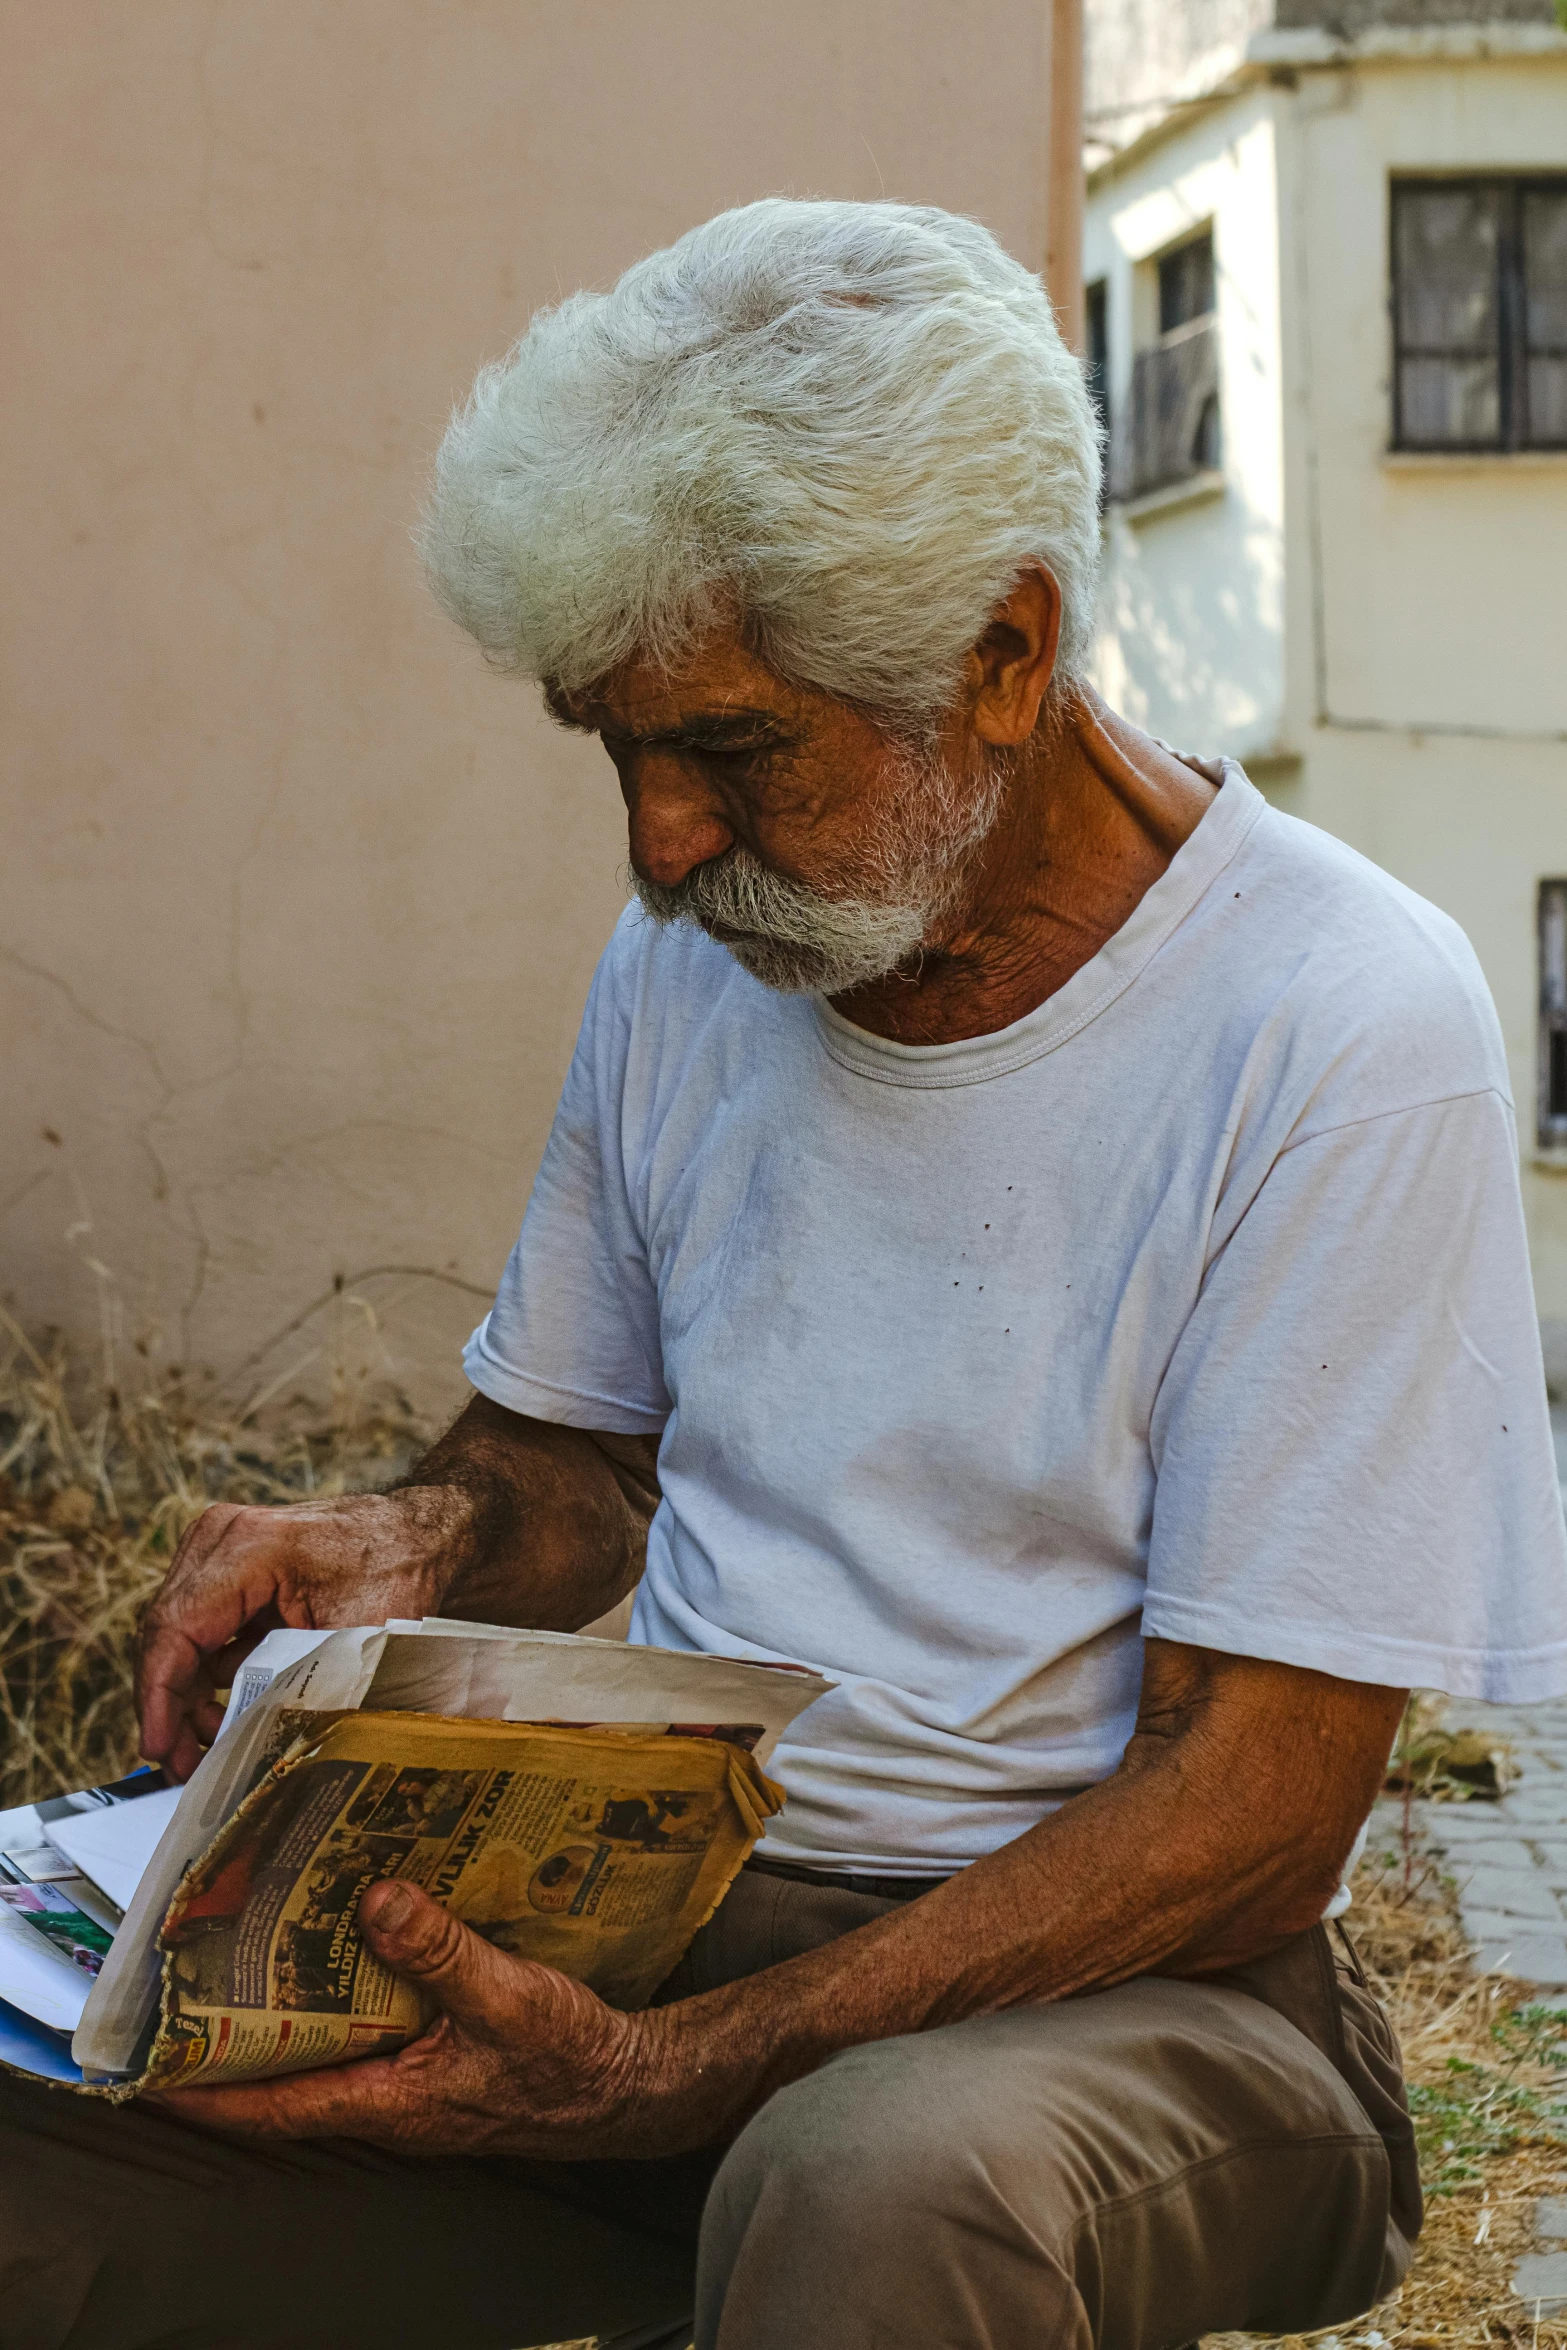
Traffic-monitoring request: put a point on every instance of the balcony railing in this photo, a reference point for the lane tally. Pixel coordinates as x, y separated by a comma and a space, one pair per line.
1170, 428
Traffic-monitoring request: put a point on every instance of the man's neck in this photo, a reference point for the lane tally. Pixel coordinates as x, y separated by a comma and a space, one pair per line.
1094, 816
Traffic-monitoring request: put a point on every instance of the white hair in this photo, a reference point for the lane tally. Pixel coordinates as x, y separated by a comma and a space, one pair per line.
846, 428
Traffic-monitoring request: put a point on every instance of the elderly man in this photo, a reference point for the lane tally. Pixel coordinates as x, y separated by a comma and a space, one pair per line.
1028, 1229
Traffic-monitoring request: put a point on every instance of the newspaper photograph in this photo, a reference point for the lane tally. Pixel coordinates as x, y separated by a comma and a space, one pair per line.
595, 1851
56, 1916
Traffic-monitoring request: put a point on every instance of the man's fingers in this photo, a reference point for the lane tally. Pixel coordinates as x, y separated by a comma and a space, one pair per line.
179, 1711
181, 1756
218, 1585
473, 1981
224, 1663
171, 1683
343, 2101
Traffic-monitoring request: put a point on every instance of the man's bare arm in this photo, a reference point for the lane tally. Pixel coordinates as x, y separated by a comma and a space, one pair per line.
1220, 1837
505, 1520
557, 1517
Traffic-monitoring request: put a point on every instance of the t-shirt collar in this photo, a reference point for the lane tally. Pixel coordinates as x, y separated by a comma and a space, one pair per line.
1191, 872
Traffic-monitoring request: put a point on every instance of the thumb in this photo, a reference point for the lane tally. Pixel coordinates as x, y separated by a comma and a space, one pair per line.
415, 1936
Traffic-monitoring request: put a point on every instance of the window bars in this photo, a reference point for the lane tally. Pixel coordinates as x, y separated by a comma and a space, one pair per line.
1551, 1081
1479, 280
1171, 426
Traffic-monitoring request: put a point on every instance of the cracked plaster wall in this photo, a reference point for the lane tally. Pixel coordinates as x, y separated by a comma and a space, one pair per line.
299, 903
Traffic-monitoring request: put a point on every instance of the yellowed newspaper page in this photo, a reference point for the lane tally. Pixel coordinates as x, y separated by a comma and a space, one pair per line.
599, 1853
124, 1999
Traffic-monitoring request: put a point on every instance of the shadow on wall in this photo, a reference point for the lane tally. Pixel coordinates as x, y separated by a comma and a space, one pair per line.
1191, 641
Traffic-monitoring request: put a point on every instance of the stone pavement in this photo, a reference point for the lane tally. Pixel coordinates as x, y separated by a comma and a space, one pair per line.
1542, 2274
1509, 1859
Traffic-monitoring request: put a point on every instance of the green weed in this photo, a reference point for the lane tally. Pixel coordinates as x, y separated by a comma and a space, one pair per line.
1475, 2111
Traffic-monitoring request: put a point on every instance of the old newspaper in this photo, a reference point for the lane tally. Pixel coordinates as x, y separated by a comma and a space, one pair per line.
598, 1853
582, 1802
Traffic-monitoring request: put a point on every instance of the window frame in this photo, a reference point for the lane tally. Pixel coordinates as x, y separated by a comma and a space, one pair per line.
1191, 240
1513, 351
1550, 1121
1096, 345
1136, 418
1096, 370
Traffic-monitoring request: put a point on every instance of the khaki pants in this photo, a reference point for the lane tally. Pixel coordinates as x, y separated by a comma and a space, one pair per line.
1130, 2169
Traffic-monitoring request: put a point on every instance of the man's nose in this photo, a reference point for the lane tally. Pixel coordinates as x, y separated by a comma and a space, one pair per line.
673, 826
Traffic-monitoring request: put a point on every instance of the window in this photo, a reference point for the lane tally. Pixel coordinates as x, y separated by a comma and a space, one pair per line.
1186, 284
1096, 364
1551, 1116
1480, 314
1096, 325
1172, 424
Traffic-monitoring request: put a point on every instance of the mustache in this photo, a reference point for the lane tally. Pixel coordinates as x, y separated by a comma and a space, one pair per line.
785, 933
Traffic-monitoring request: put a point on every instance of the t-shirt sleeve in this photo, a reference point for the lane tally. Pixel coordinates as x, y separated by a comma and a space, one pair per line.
1353, 1451
573, 1334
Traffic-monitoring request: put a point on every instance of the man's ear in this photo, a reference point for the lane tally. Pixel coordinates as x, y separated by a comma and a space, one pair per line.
1010, 669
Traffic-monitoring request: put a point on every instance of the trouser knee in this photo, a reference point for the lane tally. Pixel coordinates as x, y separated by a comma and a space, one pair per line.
853, 2211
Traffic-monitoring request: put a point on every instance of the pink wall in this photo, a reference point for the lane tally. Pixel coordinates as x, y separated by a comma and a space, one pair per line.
299, 903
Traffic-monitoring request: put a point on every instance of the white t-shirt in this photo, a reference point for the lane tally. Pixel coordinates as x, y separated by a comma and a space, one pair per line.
1194, 1303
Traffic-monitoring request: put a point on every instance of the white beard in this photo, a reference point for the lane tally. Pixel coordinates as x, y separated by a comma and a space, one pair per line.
797, 939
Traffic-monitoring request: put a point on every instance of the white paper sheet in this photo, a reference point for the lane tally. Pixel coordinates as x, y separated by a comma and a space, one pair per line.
113, 1843
487, 1672
261, 1667
24, 1840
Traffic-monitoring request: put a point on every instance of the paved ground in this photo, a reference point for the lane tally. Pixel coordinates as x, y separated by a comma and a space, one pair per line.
1510, 1858
1510, 1863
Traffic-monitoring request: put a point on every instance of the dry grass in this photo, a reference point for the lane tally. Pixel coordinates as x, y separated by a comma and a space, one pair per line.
96, 1485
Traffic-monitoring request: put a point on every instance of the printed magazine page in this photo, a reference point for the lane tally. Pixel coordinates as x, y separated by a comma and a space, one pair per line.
111, 2035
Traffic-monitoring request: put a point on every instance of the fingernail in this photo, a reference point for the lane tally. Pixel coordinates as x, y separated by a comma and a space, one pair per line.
391, 1911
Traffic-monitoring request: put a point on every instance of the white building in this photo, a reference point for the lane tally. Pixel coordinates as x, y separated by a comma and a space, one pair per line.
1326, 249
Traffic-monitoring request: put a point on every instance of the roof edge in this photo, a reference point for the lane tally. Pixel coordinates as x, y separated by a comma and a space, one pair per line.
1306, 46
1309, 48
1177, 116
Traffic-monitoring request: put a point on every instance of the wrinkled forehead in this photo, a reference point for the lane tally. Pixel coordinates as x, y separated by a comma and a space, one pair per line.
721, 693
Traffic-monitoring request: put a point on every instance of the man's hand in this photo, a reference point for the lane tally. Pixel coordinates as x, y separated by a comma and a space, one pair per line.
520, 2060
1219, 1838
506, 1520
241, 1572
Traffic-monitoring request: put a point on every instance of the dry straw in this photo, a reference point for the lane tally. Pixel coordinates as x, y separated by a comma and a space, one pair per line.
97, 1483
1479, 2060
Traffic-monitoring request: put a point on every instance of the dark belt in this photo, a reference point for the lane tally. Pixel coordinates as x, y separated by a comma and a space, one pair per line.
879, 1888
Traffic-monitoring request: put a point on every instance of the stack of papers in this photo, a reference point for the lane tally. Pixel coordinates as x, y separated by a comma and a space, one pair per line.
68, 1868
111, 1847
81, 1857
